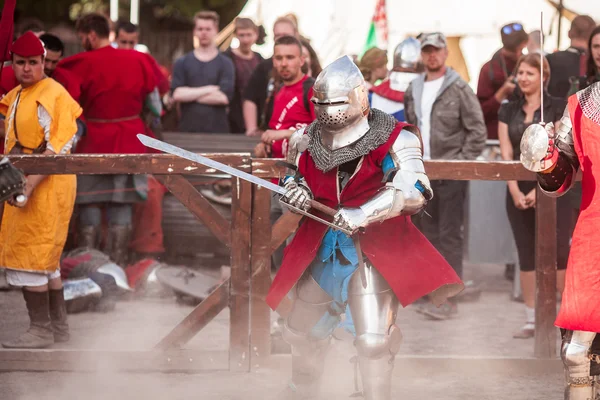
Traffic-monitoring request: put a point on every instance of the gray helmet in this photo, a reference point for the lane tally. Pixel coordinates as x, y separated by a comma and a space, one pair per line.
407, 54
341, 103
116, 272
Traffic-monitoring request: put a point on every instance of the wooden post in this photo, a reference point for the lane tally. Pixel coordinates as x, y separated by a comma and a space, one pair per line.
239, 317
195, 321
545, 271
260, 326
197, 204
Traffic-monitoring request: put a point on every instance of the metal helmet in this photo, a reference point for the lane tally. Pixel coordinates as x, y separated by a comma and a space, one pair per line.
116, 272
407, 54
341, 103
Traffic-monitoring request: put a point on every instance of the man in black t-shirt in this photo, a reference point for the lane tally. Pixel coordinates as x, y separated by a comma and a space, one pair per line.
261, 83
570, 63
203, 81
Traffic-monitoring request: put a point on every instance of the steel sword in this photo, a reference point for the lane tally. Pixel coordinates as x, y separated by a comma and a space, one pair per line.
188, 155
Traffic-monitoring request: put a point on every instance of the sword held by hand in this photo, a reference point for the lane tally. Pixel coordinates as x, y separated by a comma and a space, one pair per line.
197, 158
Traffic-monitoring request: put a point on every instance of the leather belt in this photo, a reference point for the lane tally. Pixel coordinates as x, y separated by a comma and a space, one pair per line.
108, 121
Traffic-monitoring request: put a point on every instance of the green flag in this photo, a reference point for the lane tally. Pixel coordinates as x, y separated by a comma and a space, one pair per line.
371, 39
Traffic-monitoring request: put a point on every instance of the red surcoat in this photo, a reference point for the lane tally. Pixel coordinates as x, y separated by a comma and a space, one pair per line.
579, 308
404, 257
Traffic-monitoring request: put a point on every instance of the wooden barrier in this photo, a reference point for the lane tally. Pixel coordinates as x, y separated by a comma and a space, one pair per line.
252, 240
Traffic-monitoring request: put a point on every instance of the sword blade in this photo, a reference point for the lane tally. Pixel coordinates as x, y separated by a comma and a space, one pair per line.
188, 155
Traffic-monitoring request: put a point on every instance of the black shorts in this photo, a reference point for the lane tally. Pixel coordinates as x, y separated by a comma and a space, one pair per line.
522, 223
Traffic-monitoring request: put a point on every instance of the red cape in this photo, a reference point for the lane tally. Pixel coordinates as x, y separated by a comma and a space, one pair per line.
408, 262
581, 297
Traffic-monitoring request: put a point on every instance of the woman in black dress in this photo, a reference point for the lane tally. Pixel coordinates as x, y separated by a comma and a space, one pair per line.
514, 117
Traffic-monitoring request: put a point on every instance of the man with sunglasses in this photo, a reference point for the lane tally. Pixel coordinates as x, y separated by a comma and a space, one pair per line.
496, 79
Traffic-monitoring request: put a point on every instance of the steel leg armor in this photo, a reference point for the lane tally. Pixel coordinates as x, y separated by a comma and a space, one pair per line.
575, 354
374, 310
311, 304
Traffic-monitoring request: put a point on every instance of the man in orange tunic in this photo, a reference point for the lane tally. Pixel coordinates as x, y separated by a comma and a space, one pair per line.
40, 118
115, 85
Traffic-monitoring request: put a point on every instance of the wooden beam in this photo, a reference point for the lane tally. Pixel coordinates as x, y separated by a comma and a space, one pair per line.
283, 228
438, 169
195, 321
260, 320
94, 164
187, 194
112, 360
239, 317
545, 271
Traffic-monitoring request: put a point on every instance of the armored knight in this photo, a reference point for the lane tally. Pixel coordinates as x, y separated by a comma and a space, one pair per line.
389, 95
574, 145
369, 167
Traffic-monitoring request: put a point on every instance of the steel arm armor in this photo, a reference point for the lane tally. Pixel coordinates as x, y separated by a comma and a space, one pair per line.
560, 177
298, 194
408, 189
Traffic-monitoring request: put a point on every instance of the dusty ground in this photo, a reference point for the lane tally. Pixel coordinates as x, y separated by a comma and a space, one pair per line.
482, 329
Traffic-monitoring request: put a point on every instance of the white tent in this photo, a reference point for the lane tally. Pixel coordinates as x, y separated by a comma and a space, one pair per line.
337, 27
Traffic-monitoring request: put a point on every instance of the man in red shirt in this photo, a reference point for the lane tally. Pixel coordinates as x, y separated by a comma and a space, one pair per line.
497, 77
115, 86
147, 232
54, 51
292, 108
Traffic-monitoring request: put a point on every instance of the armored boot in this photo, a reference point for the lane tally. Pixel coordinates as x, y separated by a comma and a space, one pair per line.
58, 315
575, 354
88, 236
376, 363
374, 307
39, 335
311, 305
308, 361
117, 245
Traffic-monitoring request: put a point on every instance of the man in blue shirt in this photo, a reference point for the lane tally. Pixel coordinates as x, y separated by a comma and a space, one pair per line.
203, 81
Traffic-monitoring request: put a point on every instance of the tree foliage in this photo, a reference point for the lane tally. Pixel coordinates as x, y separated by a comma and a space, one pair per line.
54, 11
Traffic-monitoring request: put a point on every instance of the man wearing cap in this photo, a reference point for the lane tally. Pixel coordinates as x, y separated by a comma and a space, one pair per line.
54, 51
449, 117
497, 77
40, 119
388, 96
115, 86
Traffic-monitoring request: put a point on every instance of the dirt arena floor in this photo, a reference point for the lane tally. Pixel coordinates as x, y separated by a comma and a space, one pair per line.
472, 356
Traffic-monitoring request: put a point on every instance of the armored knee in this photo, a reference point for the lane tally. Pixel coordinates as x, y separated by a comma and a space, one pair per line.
575, 357
374, 346
312, 312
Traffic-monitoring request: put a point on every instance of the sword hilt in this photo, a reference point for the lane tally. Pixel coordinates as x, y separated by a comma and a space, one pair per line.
323, 208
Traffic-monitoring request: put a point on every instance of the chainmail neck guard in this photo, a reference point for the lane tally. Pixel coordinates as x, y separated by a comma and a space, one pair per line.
381, 127
589, 100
